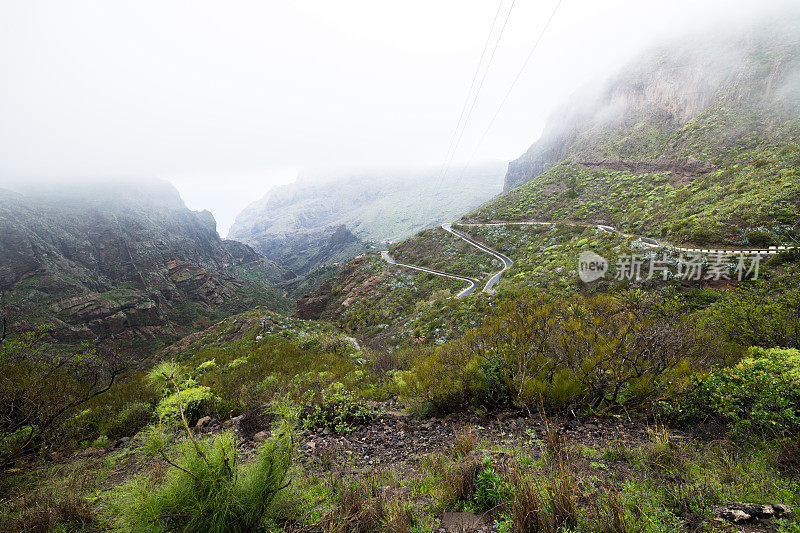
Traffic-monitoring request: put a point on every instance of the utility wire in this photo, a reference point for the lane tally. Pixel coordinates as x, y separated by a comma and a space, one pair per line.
471, 86
514, 82
477, 93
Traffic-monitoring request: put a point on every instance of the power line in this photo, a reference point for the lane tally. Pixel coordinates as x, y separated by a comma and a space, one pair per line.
477, 93
472, 84
516, 79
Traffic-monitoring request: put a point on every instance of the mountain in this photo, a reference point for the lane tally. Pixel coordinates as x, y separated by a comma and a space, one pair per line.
686, 107
122, 260
318, 221
695, 143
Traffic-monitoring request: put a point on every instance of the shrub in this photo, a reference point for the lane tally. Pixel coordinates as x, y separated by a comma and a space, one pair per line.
206, 366
446, 377
494, 386
765, 314
334, 408
759, 394
206, 490
41, 389
595, 352
490, 489
195, 402
331, 343
760, 238
703, 236
101, 442
133, 418
249, 376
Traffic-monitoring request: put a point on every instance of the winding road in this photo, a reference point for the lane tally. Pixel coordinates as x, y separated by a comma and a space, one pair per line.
469, 290
507, 262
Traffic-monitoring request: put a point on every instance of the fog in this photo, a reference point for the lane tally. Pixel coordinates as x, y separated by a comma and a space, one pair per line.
226, 100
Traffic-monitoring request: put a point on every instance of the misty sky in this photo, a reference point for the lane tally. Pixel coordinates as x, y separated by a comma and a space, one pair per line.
226, 99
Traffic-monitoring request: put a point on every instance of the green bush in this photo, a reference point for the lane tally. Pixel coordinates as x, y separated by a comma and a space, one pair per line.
702, 236
760, 238
760, 394
334, 408
196, 401
133, 418
494, 378
595, 353
42, 387
206, 490
490, 489
765, 313
247, 377
442, 378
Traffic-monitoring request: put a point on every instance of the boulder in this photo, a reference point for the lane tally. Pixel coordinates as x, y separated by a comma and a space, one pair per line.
463, 523
740, 513
233, 422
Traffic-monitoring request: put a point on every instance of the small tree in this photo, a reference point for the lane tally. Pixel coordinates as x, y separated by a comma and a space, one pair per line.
206, 490
572, 186
40, 389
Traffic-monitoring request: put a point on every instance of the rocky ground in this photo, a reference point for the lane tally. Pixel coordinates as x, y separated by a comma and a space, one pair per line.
398, 439
397, 442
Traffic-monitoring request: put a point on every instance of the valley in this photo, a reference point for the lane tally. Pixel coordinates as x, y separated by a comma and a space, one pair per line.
602, 335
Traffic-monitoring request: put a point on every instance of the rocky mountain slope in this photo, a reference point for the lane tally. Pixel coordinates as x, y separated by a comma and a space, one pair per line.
691, 144
321, 221
694, 143
684, 108
122, 260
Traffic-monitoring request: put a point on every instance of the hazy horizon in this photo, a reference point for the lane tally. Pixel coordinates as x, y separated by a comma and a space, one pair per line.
226, 103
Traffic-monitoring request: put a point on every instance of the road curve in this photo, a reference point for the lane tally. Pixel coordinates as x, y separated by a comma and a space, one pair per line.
652, 243
506, 261
473, 283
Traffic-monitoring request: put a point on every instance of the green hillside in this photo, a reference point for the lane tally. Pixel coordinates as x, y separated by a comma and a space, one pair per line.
656, 399
753, 199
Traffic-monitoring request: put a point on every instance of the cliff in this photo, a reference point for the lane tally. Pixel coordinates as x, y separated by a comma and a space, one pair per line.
318, 221
747, 82
123, 260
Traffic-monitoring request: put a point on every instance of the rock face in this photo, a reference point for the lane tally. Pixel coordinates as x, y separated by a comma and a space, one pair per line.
642, 119
311, 306
742, 513
319, 221
337, 293
117, 259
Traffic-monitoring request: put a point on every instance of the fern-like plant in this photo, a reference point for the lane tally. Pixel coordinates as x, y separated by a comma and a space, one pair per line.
205, 489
